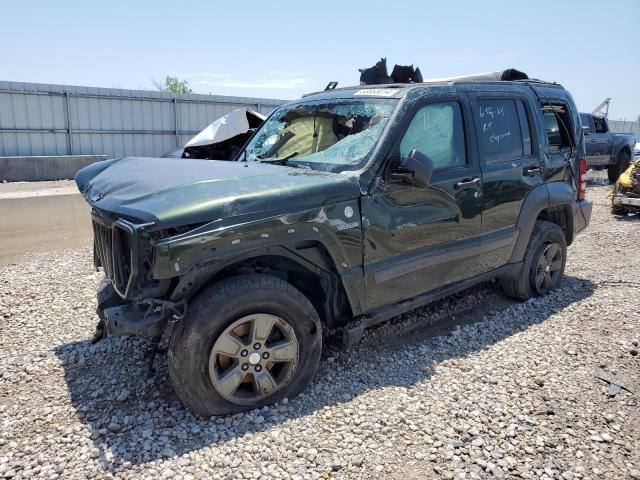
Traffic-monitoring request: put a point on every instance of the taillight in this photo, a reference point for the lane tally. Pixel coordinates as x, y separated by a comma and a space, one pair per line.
582, 178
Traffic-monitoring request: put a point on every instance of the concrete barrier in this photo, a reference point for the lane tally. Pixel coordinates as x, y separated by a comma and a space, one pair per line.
35, 169
42, 216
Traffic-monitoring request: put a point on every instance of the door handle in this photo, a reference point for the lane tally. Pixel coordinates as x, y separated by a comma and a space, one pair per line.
474, 182
609, 141
593, 140
531, 170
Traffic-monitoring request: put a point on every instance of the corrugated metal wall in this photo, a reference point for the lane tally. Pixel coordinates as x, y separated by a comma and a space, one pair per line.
41, 119
624, 126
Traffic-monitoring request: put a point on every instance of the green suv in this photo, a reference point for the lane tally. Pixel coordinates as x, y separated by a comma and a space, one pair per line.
345, 208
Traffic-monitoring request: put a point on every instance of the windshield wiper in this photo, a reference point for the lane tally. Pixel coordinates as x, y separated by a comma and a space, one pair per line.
280, 161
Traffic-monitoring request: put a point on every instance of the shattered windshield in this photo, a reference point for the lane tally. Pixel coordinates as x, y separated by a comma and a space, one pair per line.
335, 135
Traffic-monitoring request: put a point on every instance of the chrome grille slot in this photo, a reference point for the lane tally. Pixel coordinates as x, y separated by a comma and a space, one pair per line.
102, 237
115, 250
121, 252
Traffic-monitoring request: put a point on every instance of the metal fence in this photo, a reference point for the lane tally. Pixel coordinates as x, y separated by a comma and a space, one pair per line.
41, 119
623, 126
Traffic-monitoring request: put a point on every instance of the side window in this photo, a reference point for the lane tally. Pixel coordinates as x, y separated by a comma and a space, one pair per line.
437, 131
601, 127
553, 130
501, 135
584, 119
558, 126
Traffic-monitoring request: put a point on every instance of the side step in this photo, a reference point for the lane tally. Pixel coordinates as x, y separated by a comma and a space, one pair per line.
354, 331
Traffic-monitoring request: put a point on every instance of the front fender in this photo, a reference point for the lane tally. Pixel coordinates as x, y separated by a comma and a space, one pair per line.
211, 247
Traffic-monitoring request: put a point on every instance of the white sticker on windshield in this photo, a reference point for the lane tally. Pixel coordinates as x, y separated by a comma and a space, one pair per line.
377, 92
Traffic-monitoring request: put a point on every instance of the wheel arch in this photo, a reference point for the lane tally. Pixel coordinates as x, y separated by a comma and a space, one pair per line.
551, 202
622, 148
310, 268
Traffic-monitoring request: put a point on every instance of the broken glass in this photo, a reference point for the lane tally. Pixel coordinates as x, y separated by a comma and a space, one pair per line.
330, 135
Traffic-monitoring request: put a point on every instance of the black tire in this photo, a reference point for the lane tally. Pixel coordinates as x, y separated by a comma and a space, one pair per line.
623, 160
210, 314
618, 210
522, 286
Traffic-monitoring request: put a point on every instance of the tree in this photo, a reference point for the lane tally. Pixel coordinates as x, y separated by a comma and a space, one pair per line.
172, 84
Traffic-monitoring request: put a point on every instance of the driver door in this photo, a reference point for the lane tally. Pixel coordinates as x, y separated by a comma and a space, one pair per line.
417, 239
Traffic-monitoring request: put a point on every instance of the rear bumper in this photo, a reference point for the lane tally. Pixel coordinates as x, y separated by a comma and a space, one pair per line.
581, 215
591, 162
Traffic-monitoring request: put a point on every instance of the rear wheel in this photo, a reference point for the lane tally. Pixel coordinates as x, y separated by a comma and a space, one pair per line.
543, 264
623, 160
247, 342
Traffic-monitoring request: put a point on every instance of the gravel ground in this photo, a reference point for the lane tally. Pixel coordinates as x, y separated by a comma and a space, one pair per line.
511, 393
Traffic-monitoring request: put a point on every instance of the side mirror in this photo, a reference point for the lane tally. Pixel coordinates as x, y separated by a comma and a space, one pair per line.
586, 131
416, 169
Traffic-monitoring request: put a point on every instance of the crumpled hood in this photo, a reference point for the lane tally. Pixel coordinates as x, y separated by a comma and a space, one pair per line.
175, 191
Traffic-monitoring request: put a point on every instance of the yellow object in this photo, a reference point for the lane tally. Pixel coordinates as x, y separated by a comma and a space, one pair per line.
625, 178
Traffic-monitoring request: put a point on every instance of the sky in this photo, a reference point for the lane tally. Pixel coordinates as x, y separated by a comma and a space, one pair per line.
286, 48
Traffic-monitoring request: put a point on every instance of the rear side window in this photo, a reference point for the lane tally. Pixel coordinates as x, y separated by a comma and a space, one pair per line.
601, 127
437, 131
558, 126
584, 119
504, 129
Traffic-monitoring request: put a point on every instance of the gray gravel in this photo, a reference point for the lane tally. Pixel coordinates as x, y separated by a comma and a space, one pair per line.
511, 393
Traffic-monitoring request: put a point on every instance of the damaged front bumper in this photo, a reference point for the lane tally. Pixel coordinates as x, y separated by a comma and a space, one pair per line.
148, 318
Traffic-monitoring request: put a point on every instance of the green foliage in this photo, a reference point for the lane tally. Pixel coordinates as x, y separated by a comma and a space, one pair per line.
172, 84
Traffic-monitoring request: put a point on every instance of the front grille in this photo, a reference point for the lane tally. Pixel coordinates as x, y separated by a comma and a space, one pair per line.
113, 250
102, 247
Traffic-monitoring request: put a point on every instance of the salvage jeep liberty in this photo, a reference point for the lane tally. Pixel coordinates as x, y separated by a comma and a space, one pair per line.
345, 208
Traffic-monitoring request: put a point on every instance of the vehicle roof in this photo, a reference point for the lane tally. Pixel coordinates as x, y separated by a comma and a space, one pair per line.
399, 90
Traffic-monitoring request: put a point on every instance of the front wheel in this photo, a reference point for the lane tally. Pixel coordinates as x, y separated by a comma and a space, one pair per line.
246, 342
543, 264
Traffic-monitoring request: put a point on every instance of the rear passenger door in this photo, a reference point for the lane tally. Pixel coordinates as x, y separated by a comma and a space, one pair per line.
590, 140
511, 166
602, 140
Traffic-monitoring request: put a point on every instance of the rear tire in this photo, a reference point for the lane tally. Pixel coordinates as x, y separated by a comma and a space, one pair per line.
210, 379
623, 160
547, 247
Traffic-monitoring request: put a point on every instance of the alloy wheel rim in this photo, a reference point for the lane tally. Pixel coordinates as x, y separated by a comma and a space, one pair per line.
548, 269
253, 358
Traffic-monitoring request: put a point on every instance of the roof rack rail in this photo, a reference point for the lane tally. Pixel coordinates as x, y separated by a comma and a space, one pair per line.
508, 75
